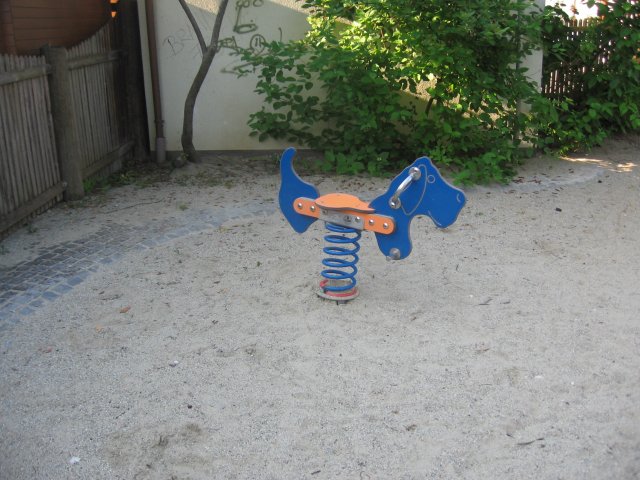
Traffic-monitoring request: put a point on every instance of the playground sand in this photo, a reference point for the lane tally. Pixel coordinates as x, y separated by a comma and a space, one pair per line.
506, 346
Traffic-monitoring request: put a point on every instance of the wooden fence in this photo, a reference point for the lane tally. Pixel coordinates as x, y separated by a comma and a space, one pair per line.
99, 112
29, 170
566, 79
63, 119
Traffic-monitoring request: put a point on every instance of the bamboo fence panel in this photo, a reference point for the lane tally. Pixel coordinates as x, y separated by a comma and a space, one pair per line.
568, 79
29, 170
93, 68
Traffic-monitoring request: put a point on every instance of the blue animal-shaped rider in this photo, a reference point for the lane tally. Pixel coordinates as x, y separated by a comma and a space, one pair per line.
418, 190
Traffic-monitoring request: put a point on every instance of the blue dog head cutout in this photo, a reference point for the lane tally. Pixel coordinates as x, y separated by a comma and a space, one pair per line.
418, 190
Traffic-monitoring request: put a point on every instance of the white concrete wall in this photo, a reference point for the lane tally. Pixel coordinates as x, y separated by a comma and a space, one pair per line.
225, 101
533, 62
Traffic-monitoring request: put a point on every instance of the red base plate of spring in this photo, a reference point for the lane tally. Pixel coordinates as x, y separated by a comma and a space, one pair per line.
343, 296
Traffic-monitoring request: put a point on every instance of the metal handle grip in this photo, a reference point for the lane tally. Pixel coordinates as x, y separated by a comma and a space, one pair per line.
414, 174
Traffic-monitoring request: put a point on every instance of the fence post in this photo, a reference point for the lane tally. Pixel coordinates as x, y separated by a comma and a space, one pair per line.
64, 123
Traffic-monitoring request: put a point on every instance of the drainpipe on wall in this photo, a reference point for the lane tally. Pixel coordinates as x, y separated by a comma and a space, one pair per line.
161, 148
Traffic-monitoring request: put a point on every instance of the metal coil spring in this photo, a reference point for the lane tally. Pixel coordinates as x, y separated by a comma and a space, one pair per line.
340, 273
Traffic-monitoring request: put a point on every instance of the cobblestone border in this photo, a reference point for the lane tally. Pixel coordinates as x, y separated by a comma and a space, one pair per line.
56, 270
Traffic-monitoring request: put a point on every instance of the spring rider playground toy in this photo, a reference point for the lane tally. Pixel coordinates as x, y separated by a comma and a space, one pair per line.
418, 190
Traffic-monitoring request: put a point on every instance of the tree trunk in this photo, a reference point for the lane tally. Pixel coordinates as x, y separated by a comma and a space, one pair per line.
190, 102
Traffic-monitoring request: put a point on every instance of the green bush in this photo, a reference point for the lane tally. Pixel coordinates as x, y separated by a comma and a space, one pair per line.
376, 83
606, 54
403, 78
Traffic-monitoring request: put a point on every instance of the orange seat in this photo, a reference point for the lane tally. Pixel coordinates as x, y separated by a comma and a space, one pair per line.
343, 201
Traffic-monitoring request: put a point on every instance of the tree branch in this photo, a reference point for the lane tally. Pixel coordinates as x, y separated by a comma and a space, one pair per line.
429, 104
215, 35
196, 28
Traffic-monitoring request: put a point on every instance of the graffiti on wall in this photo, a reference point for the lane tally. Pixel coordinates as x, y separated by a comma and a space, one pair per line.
240, 27
245, 36
183, 41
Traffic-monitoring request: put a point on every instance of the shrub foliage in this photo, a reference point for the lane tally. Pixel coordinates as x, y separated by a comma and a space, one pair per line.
606, 98
376, 83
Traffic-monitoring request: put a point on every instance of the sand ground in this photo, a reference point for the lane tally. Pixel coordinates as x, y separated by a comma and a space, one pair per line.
506, 346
